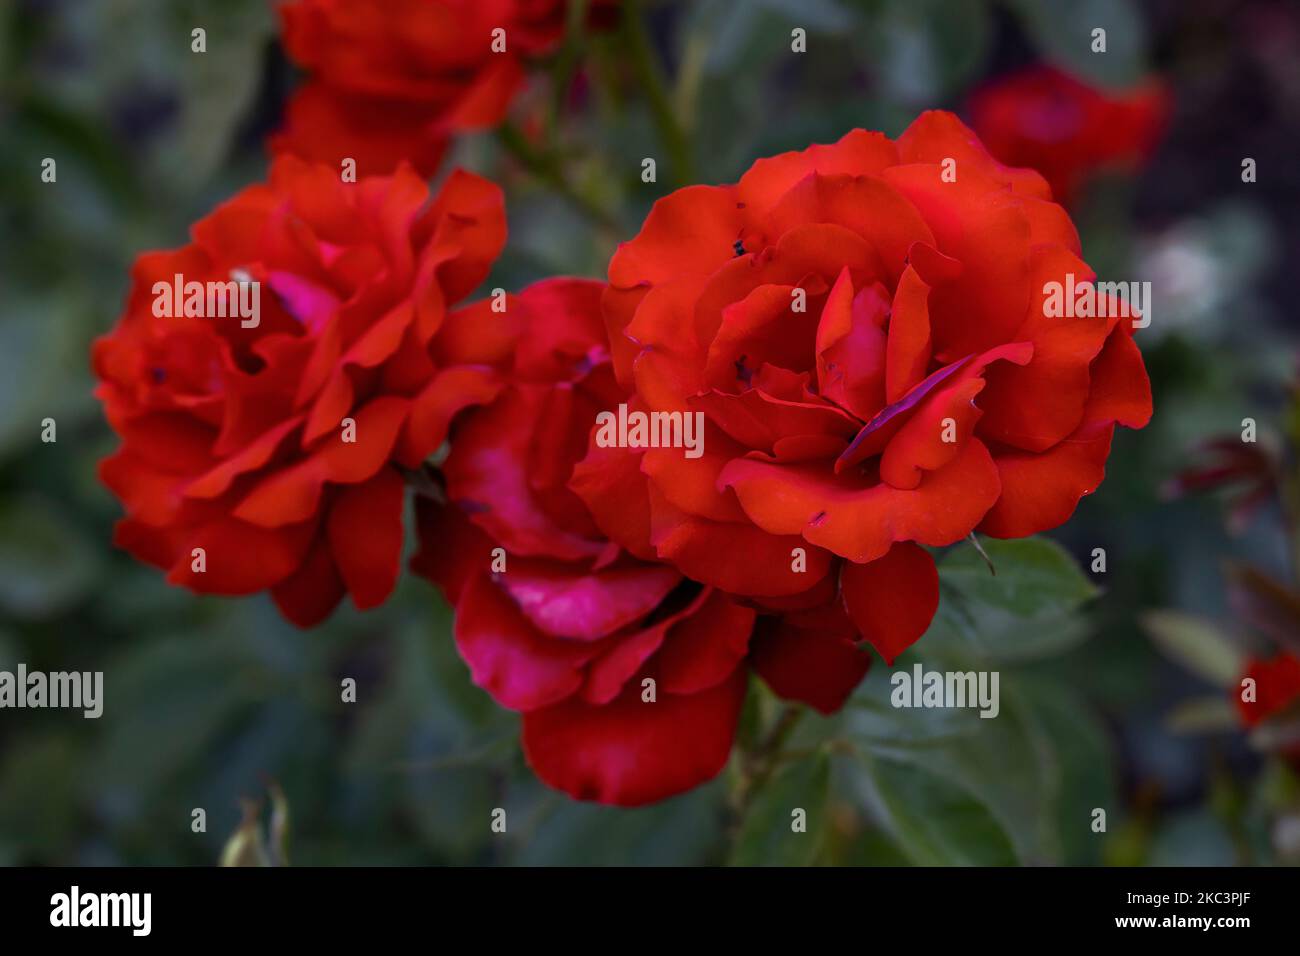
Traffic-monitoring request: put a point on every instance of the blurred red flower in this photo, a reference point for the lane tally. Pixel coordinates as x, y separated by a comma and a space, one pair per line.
922, 393
561, 624
1277, 695
394, 80
1050, 121
236, 436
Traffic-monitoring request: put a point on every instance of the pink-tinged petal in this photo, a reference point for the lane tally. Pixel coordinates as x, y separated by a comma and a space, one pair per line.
488, 474
704, 647
308, 301
858, 519
625, 654
892, 600
365, 535
575, 602
521, 668
812, 665
630, 752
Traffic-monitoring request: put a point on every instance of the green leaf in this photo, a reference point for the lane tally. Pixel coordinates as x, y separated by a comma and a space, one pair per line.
1076, 760
43, 797
869, 716
45, 563
768, 836
1033, 769
923, 51
1063, 29
1025, 610
42, 361
1197, 644
934, 821
550, 830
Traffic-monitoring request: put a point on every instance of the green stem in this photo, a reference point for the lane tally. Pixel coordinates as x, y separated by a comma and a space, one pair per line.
547, 167
758, 765
646, 66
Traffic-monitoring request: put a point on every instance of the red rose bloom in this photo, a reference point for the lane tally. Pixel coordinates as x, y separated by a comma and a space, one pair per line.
276, 448
394, 80
630, 678
1052, 122
919, 394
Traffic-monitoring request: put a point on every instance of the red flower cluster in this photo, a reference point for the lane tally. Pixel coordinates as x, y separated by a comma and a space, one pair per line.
862, 329
858, 329
269, 454
396, 80
1052, 122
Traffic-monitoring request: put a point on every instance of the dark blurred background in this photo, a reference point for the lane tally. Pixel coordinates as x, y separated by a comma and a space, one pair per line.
212, 700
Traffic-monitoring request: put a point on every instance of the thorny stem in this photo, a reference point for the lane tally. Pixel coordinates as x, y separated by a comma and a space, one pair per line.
651, 76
